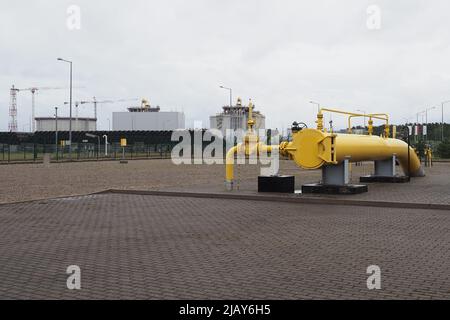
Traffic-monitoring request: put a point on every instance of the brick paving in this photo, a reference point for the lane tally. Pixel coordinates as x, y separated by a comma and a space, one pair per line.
151, 247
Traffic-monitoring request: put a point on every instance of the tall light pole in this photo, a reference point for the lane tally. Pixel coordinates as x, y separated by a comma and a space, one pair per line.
417, 117
442, 118
70, 112
231, 94
426, 114
56, 132
426, 118
316, 103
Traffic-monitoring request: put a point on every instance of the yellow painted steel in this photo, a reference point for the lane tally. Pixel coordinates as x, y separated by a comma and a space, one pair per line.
250, 146
312, 149
380, 116
256, 149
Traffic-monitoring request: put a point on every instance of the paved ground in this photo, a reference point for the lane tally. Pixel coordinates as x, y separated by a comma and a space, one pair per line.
36, 181
135, 246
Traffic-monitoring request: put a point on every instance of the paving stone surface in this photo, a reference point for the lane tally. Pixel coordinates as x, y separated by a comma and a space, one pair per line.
155, 247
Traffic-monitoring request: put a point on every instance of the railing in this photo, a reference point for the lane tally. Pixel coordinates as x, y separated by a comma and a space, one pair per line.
17, 153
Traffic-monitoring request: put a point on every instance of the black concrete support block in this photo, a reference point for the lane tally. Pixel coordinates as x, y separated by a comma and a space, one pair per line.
334, 189
280, 184
386, 179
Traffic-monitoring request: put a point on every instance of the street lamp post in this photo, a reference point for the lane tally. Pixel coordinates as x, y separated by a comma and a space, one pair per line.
56, 132
426, 114
442, 119
231, 94
70, 112
316, 103
426, 118
417, 124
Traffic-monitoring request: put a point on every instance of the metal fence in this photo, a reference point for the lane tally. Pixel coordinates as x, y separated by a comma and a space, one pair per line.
26, 152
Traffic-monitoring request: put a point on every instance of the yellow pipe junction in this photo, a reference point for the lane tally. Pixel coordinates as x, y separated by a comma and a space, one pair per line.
314, 148
250, 146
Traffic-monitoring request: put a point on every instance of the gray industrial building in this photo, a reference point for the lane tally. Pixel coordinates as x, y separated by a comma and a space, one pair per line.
236, 117
146, 117
78, 124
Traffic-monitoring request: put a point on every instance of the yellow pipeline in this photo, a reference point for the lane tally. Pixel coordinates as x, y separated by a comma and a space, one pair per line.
256, 149
312, 149
251, 146
380, 116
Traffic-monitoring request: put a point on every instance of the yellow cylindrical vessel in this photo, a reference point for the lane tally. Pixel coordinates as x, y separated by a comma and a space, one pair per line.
312, 148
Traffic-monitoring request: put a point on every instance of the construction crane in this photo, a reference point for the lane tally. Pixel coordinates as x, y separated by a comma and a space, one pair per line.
94, 101
13, 105
12, 125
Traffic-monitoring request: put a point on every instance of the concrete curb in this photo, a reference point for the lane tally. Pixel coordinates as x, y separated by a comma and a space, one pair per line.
291, 199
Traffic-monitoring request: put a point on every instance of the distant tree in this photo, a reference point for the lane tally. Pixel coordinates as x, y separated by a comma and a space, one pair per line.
420, 147
443, 149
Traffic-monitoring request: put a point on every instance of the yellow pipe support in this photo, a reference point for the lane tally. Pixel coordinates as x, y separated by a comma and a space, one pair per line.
266, 148
370, 127
312, 149
319, 121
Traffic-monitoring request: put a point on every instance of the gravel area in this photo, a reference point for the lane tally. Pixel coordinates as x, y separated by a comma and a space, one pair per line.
22, 182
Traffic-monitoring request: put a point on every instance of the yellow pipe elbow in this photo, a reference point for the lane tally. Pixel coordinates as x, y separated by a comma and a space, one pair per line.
229, 164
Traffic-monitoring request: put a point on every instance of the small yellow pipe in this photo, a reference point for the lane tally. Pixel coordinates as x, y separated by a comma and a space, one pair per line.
266, 148
380, 116
229, 162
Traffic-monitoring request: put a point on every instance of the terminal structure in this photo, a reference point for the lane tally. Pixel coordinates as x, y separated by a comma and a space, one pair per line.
236, 118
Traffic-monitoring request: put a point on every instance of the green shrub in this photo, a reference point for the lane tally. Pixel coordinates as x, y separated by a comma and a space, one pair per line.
443, 149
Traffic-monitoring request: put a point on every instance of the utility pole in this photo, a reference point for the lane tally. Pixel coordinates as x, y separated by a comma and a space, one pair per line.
442, 119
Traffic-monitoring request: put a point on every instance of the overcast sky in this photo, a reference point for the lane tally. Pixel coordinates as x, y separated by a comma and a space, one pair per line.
281, 54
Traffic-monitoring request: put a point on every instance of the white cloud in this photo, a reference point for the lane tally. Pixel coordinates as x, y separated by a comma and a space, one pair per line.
279, 53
